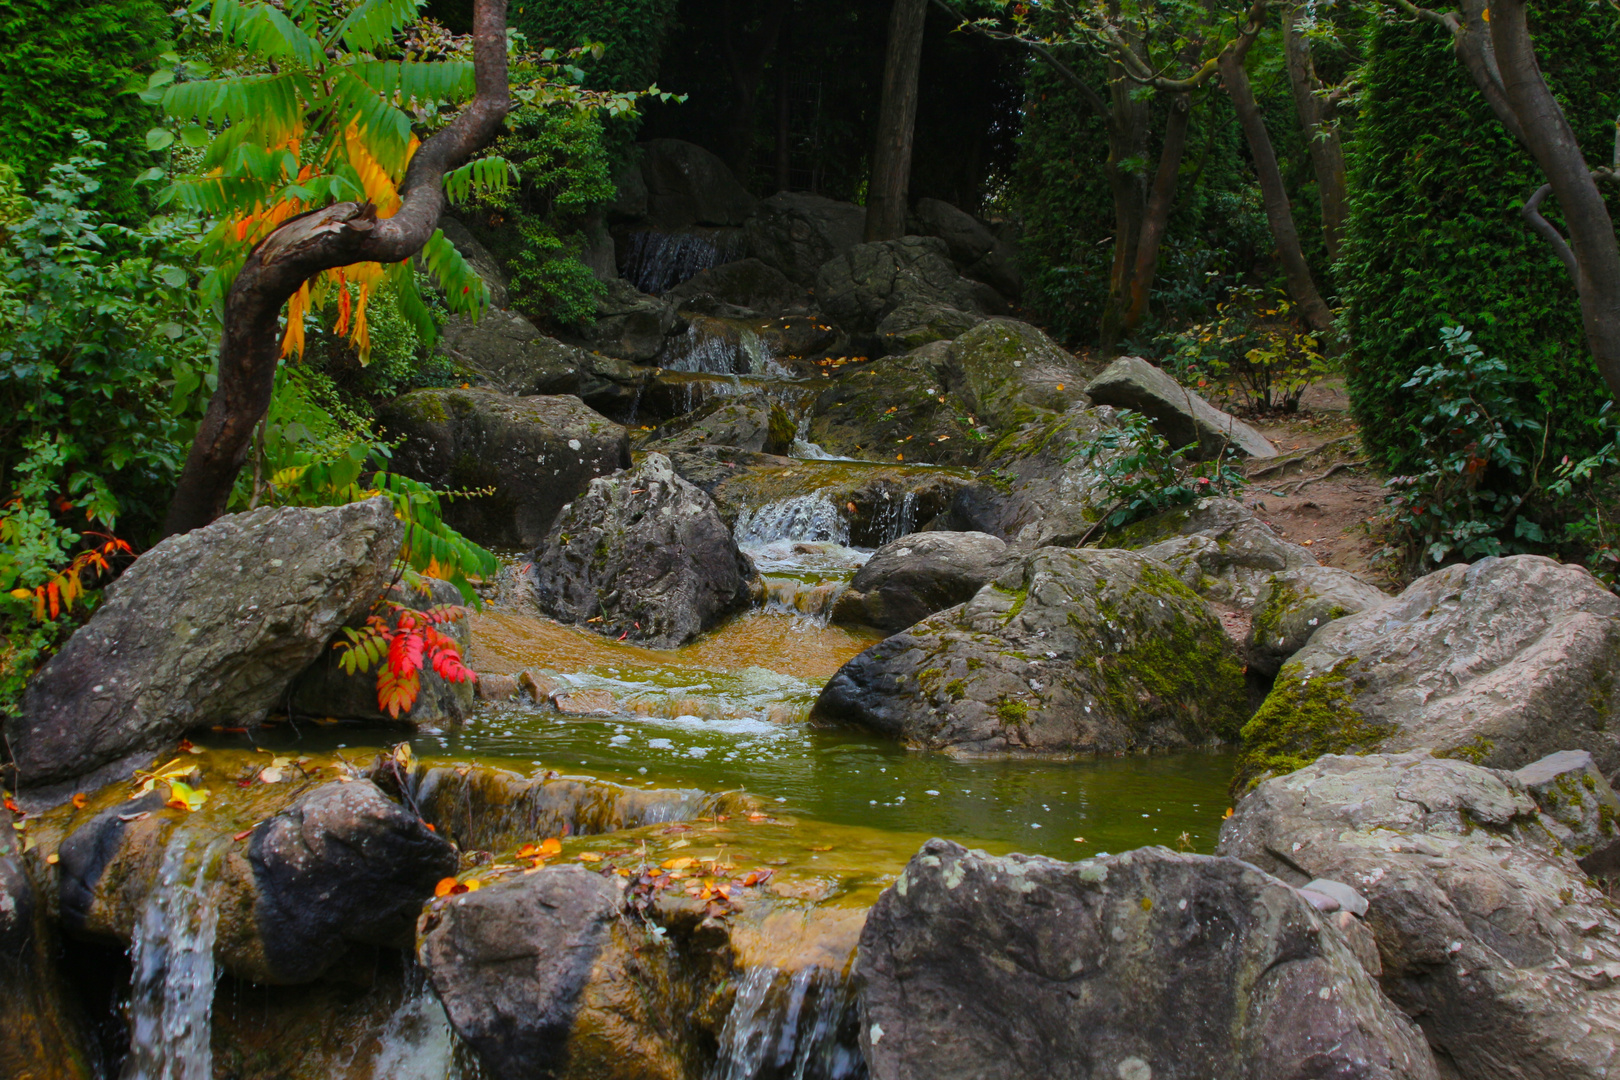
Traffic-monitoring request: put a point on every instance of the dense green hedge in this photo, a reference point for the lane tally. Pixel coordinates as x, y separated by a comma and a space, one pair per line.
1436, 238
632, 30
68, 63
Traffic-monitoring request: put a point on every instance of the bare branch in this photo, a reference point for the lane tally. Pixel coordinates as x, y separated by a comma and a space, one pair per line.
1549, 232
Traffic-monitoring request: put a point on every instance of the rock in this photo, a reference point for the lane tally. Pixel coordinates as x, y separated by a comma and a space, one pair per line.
1342, 895
894, 405
630, 198
1151, 964
1219, 549
326, 690
342, 864
1181, 416
687, 185
750, 423
1068, 652
647, 554
1033, 489
858, 288
798, 233
1492, 940
506, 351
772, 499
207, 627
1579, 808
979, 252
1297, 604
480, 259
915, 323
46, 1037
536, 452
492, 687
1010, 373
747, 284
909, 579
512, 963
586, 703
538, 687
630, 324
1504, 661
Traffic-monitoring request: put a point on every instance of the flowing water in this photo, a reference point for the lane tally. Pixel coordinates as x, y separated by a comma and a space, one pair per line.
657, 261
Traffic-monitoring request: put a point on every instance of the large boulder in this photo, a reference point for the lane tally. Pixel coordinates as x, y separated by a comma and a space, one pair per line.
537, 453
1067, 652
861, 286
1152, 965
747, 287
510, 355
1578, 808
981, 254
1010, 373
687, 185
749, 423
642, 554
1507, 660
916, 323
1493, 940
899, 405
909, 579
209, 627
630, 324
797, 232
1218, 548
1295, 604
1179, 414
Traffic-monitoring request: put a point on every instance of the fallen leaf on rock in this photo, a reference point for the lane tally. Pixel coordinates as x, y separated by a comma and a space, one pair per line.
678, 864
589, 856
448, 887
79, 801
53, 858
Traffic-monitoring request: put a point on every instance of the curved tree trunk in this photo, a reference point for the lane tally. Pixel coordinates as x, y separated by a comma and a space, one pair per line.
890, 185
306, 245
1129, 121
1321, 134
1156, 221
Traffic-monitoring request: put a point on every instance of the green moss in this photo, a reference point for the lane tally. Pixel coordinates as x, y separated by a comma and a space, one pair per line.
957, 689
1474, 753
1302, 719
1012, 710
1606, 819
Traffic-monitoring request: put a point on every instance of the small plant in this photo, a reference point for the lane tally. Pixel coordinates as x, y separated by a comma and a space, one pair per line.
1141, 475
400, 642
1254, 350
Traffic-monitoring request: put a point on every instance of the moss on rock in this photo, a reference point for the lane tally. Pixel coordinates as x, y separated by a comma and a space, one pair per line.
1302, 719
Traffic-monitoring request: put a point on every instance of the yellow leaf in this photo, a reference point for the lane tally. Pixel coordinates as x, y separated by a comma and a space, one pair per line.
550, 847
589, 856
183, 796
678, 864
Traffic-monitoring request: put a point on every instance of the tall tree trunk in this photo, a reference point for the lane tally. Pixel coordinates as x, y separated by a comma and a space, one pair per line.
1129, 121
1161, 201
746, 60
890, 183
1296, 271
1594, 253
784, 116
306, 245
1321, 134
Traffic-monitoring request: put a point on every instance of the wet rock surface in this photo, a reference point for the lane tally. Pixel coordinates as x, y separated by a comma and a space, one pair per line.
1506, 660
899, 405
1149, 964
860, 287
814, 500
908, 579
753, 423
798, 233
630, 324
747, 286
208, 627
1488, 931
1179, 414
1069, 652
537, 453
643, 555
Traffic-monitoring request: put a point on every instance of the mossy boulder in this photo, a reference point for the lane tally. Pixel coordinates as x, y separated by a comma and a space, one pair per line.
1504, 662
1068, 652
754, 422
1295, 604
916, 323
630, 324
1218, 548
1010, 373
534, 454
897, 407
642, 555
1179, 414
858, 288
1578, 807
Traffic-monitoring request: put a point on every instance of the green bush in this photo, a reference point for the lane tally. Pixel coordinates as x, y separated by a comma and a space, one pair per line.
68, 65
1435, 237
632, 30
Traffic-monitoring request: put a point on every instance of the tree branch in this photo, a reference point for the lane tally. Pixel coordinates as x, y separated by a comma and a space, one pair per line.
1531, 212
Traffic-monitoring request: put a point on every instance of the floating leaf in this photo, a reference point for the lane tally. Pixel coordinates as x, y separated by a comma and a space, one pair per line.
589, 856
182, 796
678, 864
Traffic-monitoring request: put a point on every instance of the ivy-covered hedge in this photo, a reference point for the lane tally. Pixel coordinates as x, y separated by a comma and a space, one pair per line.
68, 63
632, 30
1436, 239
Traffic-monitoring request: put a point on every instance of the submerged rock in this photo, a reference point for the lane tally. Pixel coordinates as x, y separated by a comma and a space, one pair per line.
858, 288
1179, 414
1151, 964
1488, 934
1296, 604
644, 555
1069, 652
208, 627
1504, 661
797, 233
909, 579
1009, 373
537, 453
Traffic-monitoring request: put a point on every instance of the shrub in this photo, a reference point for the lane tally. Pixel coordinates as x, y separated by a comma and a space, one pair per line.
1141, 475
1254, 349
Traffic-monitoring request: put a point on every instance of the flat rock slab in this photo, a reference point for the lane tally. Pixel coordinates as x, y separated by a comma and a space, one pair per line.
1181, 416
1152, 965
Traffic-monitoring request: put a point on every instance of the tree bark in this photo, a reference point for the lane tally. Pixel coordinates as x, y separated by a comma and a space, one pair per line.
1321, 134
890, 183
1156, 221
746, 63
1129, 123
305, 246
1552, 142
1279, 214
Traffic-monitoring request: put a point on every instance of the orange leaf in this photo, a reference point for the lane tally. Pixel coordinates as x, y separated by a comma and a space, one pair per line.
448, 886
79, 801
552, 846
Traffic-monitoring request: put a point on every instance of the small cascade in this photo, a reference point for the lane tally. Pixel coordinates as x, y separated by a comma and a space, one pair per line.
805, 450
761, 357
801, 1026
895, 517
703, 350
418, 1042
656, 262
813, 601
813, 517
172, 985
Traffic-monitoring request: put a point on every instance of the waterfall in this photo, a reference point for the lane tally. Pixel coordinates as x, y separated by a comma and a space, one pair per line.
418, 1042
790, 1027
172, 985
715, 347
895, 519
656, 262
813, 517
811, 601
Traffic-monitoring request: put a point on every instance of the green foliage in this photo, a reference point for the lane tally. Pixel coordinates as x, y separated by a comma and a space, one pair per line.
1254, 349
340, 381
548, 277
632, 30
1435, 237
1141, 475
68, 65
